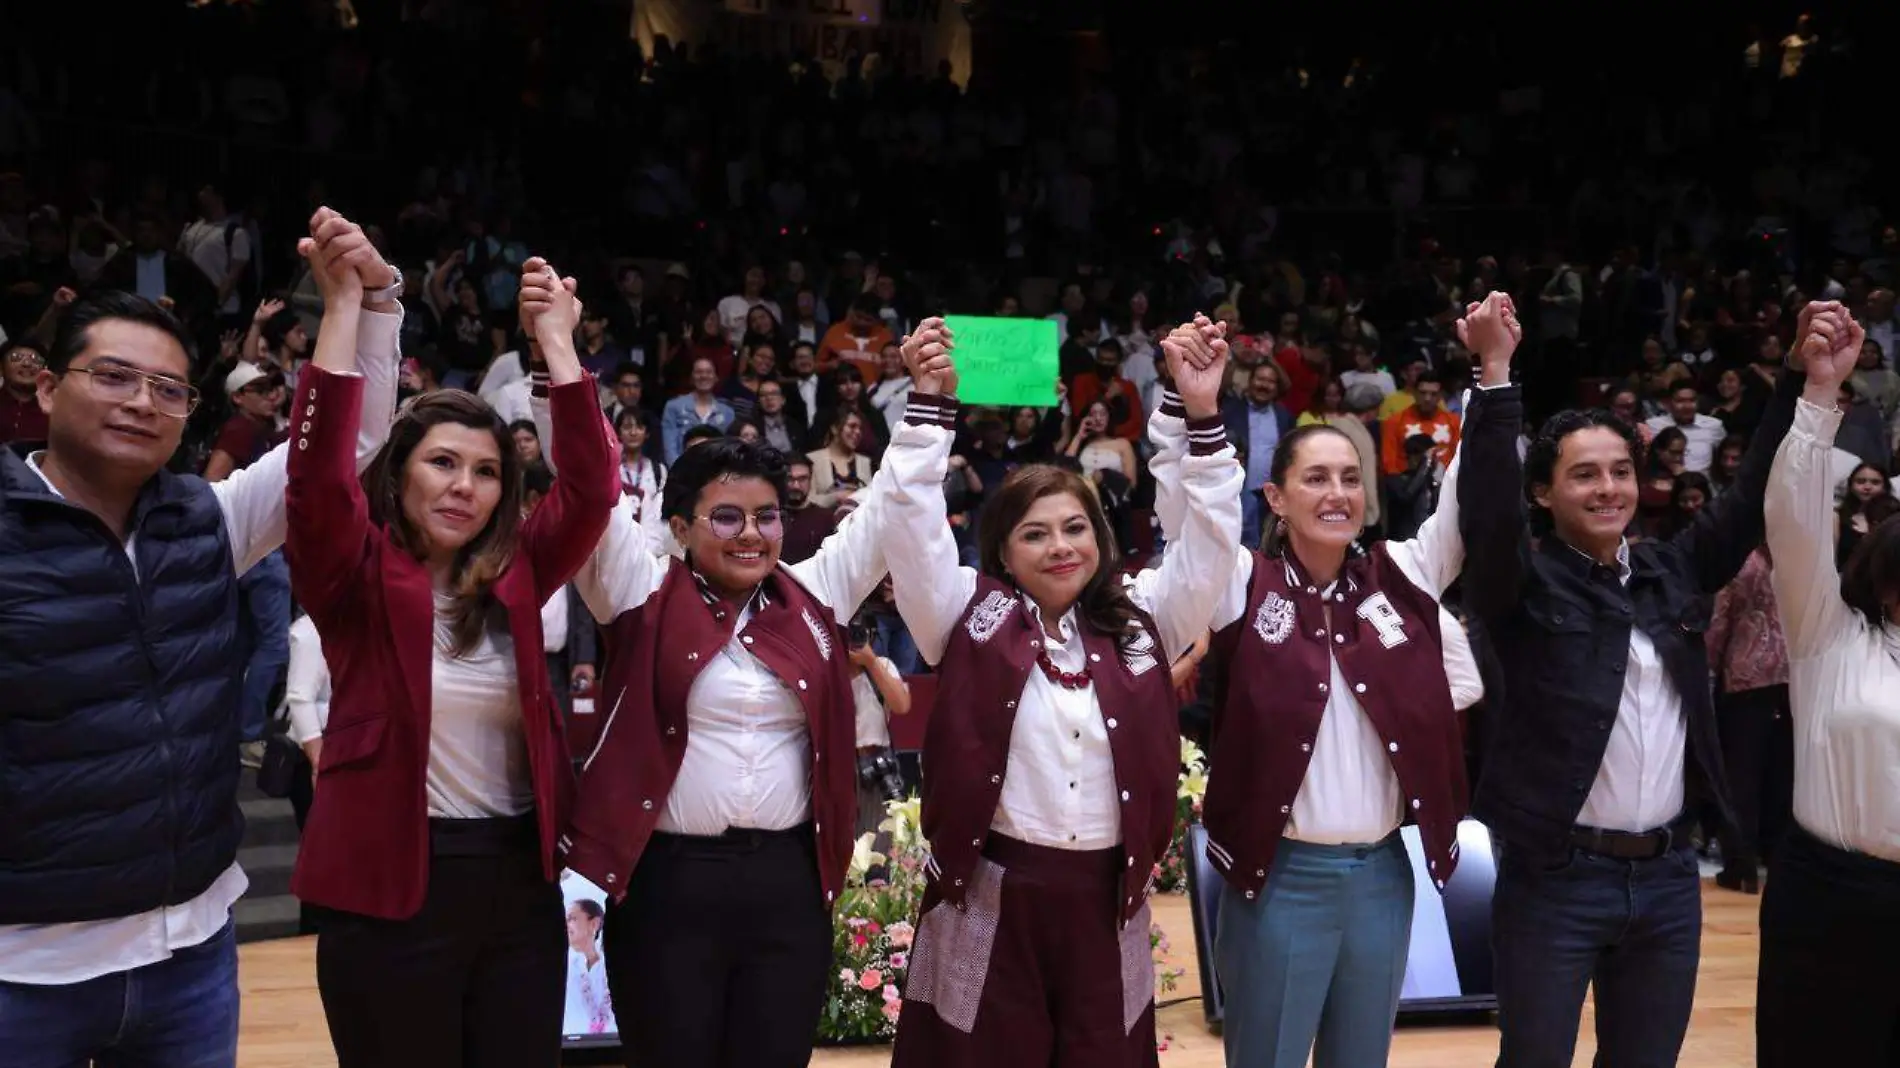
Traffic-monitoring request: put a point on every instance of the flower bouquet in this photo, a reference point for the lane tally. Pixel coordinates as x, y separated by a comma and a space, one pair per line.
1171, 870
871, 931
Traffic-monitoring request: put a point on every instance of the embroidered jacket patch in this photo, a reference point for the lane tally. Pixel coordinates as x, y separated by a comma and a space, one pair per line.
1274, 620
818, 634
987, 618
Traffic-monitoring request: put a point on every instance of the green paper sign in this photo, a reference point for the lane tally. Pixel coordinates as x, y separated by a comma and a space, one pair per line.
1007, 362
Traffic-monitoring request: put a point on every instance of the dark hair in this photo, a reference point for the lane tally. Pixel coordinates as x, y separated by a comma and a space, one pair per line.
1872, 575
277, 328
629, 415
867, 304
486, 556
1429, 376
723, 459
835, 428
537, 480
1540, 459
1665, 439
1688, 385
1103, 604
519, 425
1851, 505
75, 327
1273, 538
589, 907
1691, 480
702, 432
622, 370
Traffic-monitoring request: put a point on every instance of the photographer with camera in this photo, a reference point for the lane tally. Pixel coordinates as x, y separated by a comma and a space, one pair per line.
878, 690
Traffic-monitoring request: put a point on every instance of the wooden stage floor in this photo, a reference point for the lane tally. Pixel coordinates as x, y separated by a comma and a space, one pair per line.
283, 1021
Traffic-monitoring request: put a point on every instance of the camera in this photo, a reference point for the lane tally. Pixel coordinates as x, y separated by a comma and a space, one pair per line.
878, 771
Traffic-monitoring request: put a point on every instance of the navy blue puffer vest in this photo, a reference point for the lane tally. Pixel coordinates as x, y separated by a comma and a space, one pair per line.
119, 694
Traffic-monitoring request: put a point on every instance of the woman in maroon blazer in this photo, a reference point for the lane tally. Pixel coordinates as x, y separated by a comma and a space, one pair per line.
443, 778
1339, 724
1049, 783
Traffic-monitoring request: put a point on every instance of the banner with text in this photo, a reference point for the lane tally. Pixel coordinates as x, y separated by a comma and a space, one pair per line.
1008, 362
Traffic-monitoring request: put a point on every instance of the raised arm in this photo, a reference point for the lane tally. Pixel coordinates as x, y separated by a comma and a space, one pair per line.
1799, 499
1204, 563
1728, 528
1489, 513
931, 587
1433, 559
328, 518
561, 533
623, 570
253, 499
1168, 433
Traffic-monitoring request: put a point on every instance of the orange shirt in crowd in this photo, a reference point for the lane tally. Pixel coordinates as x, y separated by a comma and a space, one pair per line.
843, 343
1442, 427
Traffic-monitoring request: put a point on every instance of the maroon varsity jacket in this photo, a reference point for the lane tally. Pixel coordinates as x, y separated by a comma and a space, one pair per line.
1384, 631
657, 651
966, 746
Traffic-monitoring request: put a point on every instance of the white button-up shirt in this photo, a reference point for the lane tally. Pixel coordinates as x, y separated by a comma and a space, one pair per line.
1843, 670
253, 504
1639, 785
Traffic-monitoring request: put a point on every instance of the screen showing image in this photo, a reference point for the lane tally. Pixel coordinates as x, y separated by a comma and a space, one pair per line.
590, 1009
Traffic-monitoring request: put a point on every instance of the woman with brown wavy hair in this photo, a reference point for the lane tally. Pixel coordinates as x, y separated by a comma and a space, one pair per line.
442, 776
1049, 782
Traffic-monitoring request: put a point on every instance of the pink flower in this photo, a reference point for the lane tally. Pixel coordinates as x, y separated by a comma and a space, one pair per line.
876, 928
890, 993
901, 934
847, 976
891, 1009
900, 960
871, 979
860, 941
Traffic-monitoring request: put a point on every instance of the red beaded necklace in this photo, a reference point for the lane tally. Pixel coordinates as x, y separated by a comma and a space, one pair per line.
1068, 680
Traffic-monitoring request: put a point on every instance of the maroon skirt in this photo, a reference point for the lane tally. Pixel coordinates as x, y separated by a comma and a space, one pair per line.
1035, 970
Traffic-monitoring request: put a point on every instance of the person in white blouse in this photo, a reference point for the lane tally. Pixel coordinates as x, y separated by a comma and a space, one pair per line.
1049, 782
150, 827
642, 478
717, 807
1827, 985
1343, 677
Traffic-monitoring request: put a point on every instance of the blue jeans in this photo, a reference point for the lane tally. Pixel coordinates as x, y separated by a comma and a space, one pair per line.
1633, 927
266, 592
178, 1013
1253, 510
1316, 963
893, 641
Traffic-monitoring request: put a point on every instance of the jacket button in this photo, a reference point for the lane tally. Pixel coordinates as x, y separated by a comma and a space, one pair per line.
1035, 643
1250, 895
719, 617
801, 684
1440, 882
1284, 809
817, 828
976, 843
1319, 632
1558, 618
1095, 658
829, 895
671, 731
647, 805
1111, 723
1131, 862
692, 656
1322, 687
1340, 597
1311, 589
1432, 864
310, 409
1009, 704
1124, 795
1415, 804
1340, 638
747, 639
302, 444
305, 428
1261, 874
1358, 687
1392, 747
959, 882
610, 879
994, 779
1306, 747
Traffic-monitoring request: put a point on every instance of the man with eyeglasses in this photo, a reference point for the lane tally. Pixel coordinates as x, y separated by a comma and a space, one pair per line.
20, 415
122, 663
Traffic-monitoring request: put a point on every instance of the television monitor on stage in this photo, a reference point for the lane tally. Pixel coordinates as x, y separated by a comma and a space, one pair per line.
589, 1017
1449, 965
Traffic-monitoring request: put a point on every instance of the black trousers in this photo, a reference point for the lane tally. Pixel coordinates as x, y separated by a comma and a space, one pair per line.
1758, 753
720, 954
474, 980
1828, 991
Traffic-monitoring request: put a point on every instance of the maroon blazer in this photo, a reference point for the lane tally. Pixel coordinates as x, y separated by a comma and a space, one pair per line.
654, 654
1276, 668
366, 845
966, 747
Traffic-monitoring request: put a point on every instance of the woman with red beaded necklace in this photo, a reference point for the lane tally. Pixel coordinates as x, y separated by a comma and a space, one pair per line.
1051, 759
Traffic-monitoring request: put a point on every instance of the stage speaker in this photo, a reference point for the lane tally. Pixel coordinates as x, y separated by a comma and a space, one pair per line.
1448, 968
